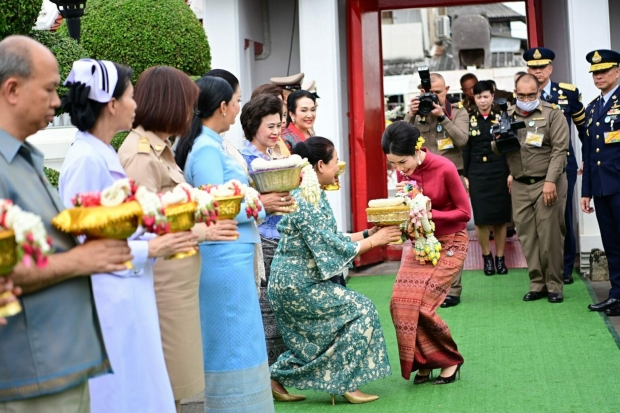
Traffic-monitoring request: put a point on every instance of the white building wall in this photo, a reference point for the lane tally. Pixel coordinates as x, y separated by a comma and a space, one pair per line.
587, 28
320, 60
282, 21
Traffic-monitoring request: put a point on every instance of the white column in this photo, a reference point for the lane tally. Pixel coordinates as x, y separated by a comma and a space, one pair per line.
320, 60
588, 28
221, 23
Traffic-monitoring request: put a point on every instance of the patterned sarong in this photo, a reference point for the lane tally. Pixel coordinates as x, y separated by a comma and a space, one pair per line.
424, 339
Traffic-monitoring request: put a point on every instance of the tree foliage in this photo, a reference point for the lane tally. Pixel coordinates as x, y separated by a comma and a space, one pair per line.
66, 51
145, 33
18, 16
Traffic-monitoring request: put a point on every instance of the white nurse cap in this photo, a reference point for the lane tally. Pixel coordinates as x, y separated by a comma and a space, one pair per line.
100, 75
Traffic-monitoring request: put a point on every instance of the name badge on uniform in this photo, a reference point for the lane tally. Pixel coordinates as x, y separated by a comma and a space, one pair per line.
612, 137
446, 143
563, 101
534, 139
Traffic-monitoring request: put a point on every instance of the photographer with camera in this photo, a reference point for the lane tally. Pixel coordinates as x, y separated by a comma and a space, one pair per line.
536, 145
445, 128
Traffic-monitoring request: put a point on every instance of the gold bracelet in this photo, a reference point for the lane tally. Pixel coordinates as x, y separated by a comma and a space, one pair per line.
371, 245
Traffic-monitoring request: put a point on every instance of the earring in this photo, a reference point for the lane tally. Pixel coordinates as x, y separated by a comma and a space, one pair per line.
223, 114
418, 156
293, 120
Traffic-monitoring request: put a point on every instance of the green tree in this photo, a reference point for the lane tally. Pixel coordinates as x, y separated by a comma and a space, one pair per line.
145, 33
66, 51
18, 16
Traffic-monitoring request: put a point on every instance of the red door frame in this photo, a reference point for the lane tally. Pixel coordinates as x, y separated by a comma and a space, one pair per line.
366, 113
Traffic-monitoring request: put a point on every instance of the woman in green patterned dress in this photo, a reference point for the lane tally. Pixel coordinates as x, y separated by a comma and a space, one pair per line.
333, 334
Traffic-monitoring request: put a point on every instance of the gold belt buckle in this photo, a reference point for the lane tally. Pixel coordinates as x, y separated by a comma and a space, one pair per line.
484, 159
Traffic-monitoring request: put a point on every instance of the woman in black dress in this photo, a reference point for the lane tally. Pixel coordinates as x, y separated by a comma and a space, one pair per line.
487, 174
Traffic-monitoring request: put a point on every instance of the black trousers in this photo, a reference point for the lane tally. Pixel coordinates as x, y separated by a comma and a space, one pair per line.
608, 217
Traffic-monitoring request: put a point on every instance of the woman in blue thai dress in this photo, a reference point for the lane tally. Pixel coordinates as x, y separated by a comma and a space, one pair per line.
100, 104
333, 334
261, 119
235, 356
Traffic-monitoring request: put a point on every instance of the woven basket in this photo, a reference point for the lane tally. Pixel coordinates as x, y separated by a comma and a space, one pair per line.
228, 207
395, 215
276, 180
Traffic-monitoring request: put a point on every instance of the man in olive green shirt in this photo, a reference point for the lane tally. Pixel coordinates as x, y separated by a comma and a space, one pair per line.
445, 131
538, 186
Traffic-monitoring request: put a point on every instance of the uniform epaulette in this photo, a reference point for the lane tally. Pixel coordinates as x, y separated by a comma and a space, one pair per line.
458, 105
144, 146
567, 86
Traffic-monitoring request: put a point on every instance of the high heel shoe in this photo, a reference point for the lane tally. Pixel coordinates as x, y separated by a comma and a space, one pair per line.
450, 379
355, 399
500, 264
489, 268
419, 379
287, 397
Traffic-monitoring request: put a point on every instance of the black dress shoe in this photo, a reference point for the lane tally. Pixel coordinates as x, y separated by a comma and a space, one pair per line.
489, 268
604, 305
450, 301
500, 264
534, 295
613, 311
568, 279
555, 297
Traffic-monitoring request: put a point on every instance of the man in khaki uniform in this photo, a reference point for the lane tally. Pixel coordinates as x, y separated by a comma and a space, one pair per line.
538, 186
446, 131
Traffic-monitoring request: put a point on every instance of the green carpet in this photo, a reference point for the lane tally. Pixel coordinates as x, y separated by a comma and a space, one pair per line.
532, 357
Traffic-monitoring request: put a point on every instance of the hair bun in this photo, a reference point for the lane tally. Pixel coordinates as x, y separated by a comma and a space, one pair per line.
78, 106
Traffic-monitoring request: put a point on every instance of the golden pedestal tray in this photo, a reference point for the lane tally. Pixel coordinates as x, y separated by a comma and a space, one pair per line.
117, 222
8, 260
228, 207
336, 186
182, 217
388, 216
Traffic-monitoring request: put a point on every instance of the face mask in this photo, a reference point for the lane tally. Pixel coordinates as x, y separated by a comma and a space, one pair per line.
528, 106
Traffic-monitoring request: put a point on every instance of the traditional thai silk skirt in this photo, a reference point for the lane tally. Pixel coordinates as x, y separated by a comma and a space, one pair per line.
235, 357
424, 339
273, 337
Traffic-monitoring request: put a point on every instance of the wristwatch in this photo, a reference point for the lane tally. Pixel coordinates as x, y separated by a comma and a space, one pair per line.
441, 118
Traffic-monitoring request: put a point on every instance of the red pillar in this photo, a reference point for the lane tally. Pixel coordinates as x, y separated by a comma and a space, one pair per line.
533, 12
367, 121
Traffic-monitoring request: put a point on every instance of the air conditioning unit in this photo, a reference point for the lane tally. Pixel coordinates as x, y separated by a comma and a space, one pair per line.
442, 27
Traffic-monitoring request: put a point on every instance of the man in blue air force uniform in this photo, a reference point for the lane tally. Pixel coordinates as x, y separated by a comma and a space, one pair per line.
564, 97
601, 170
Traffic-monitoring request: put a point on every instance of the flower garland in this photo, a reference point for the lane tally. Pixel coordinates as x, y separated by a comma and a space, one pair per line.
33, 243
126, 190
421, 228
235, 188
206, 210
310, 186
293, 161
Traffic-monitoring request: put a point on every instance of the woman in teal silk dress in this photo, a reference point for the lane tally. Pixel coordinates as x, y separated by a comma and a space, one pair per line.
333, 334
235, 356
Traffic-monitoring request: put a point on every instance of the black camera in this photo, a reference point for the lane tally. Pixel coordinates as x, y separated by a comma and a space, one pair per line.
427, 98
505, 139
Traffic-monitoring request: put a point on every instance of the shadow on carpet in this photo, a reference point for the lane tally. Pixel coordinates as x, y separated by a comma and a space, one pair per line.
530, 357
